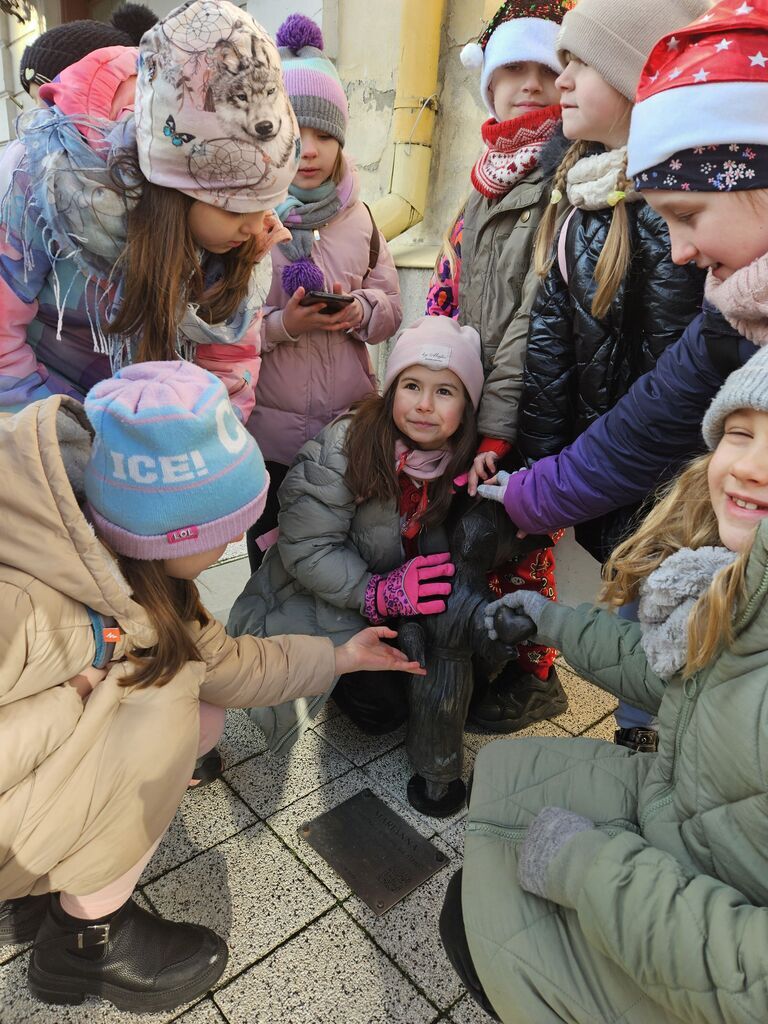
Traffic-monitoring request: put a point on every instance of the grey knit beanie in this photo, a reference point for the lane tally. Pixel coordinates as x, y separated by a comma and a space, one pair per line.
746, 388
615, 37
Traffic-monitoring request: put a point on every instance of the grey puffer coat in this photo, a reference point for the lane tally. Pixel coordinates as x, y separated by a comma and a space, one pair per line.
313, 580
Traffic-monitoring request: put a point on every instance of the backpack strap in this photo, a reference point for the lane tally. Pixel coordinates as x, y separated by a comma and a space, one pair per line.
106, 633
374, 245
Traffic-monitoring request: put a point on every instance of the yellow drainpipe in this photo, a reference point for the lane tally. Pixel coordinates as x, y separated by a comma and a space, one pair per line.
414, 117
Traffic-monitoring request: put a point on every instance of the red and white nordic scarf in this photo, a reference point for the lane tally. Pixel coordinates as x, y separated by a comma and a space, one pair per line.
514, 149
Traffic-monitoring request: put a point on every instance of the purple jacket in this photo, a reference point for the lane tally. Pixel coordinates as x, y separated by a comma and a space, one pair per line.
641, 441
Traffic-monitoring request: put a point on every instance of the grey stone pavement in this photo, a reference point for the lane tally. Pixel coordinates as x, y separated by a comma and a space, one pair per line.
303, 948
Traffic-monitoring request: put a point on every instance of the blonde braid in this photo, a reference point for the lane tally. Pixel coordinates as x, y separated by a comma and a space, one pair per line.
543, 252
613, 264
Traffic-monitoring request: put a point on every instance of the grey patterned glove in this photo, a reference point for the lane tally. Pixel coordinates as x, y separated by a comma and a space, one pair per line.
523, 602
549, 832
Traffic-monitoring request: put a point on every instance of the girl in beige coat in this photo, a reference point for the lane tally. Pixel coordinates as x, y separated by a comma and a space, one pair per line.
113, 675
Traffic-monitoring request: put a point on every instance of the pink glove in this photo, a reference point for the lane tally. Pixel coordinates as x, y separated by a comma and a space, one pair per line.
406, 590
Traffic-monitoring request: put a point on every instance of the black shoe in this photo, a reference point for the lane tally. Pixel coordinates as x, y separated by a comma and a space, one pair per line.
134, 959
513, 702
208, 768
644, 741
20, 919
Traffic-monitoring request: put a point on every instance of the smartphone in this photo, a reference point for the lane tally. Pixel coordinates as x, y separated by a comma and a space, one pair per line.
334, 303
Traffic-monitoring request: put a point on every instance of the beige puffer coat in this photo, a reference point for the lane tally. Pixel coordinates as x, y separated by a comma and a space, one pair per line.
86, 788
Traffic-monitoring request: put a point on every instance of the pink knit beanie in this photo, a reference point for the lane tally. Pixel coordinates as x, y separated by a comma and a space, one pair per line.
439, 343
213, 119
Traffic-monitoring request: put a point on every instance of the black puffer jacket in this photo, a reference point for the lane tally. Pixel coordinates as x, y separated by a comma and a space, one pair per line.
577, 366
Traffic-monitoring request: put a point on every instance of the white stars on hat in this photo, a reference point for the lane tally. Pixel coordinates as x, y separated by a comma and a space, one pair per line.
673, 43
758, 60
723, 44
701, 75
744, 9
674, 74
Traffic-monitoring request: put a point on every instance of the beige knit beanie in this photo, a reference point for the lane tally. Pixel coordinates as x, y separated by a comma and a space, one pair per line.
616, 36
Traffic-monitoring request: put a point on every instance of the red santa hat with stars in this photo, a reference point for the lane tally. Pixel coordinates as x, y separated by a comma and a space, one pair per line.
704, 85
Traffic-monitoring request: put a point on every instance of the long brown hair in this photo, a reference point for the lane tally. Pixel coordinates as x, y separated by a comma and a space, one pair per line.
161, 268
370, 453
613, 262
683, 518
170, 605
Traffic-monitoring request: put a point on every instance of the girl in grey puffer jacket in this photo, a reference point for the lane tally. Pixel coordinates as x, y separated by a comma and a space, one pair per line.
354, 509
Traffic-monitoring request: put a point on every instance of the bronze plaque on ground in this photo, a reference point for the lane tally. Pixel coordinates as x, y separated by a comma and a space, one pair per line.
378, 854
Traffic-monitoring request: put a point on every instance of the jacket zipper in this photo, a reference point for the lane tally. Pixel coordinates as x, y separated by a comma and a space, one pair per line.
690, 691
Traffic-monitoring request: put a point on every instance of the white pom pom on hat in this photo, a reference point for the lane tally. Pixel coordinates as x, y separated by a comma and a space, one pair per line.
472, 55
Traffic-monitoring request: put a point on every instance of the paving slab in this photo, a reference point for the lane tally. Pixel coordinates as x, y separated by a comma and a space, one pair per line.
268, 783
205, 818
602, 731
250, 889
353, 743
330, 973
467, 1011
587, 704
241, 739
409, 933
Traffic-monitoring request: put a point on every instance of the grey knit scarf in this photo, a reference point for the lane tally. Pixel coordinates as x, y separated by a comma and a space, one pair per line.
667, 597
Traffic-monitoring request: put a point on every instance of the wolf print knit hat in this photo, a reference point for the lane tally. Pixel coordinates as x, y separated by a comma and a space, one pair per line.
615, 36
213, 119
172, 470
520, 30
708, 85
439, 343
312, 81
66, 44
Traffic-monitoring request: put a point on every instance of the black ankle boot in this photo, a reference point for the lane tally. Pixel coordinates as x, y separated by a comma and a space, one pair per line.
514, 701
20, 919
208, 768
134, 959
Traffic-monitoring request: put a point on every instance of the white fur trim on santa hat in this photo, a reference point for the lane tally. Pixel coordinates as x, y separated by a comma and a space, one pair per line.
514, 42
696, 115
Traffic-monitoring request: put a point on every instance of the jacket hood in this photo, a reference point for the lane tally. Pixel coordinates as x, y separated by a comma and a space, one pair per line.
101, 86
45, 533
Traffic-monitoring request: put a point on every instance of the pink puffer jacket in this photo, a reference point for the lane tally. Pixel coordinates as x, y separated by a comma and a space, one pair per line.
304, 384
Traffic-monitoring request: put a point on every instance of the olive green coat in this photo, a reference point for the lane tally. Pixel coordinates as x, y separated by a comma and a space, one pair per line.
660, 914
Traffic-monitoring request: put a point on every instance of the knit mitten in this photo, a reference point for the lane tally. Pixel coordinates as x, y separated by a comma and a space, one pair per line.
549, 832
408, 590
522, 602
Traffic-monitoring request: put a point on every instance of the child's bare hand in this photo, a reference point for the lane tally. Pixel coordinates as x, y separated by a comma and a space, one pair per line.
86, 681
365, 652
483, 467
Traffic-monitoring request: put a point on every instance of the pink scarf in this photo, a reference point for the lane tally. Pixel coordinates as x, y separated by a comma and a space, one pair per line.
421, 465
743, 299
514, 149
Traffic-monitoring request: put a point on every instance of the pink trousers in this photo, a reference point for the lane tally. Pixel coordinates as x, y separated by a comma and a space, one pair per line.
112, 896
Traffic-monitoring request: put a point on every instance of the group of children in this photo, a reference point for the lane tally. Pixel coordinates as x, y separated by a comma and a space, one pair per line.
599, 883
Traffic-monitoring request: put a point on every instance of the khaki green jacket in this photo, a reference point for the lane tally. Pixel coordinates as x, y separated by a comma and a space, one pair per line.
661, 914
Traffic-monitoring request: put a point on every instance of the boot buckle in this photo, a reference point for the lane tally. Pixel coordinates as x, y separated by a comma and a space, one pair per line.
93, 935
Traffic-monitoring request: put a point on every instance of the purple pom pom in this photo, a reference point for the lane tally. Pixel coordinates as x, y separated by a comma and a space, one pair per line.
304, 273
297, 31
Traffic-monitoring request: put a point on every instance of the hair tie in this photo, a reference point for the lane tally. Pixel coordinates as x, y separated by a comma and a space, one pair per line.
616, 197
556, 196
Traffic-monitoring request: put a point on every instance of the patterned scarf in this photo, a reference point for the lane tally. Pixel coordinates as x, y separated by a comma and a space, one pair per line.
84, 218
303, 212
514, 149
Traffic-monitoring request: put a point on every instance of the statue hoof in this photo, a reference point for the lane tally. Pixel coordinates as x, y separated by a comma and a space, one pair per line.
451, 800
